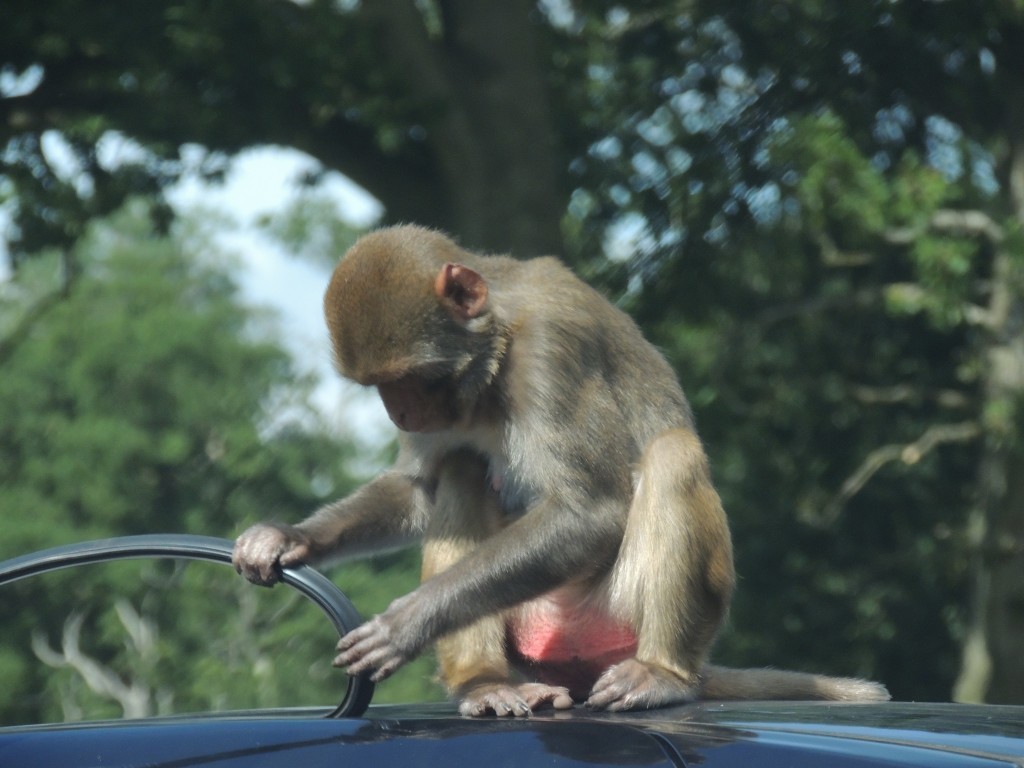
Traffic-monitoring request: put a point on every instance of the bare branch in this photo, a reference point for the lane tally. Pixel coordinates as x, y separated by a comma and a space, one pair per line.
917, 296
909, 454
37, 311
904, 393
970, 223
900, 393
133, 697
142, 633
832, 256
976, 223
638, 22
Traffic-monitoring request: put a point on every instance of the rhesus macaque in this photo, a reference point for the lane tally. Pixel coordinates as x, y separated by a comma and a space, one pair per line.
574, 548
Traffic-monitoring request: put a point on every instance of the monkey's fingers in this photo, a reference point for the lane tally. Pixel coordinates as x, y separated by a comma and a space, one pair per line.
368, 648
297, 555
355, 637
256, 563
349, 657
386, 669
381, 661
497, 699
264, 548
355, 660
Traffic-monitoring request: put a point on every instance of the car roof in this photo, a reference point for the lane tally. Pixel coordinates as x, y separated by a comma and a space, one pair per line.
706, 734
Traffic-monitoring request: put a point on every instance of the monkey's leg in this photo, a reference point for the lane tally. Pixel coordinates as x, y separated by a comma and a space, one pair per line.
472, 661
672, 580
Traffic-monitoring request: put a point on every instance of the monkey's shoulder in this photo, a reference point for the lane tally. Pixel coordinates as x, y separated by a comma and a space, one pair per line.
578, 360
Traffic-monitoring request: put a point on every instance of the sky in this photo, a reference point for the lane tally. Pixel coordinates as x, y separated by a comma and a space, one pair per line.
261, 181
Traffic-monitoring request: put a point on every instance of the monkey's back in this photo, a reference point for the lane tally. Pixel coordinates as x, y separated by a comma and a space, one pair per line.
587, 356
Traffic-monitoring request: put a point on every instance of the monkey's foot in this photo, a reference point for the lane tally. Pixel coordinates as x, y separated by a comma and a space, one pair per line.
634, 684
506, 700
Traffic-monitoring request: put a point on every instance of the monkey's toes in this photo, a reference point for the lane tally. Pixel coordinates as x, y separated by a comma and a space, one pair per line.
500, 699
633, 684
538, 695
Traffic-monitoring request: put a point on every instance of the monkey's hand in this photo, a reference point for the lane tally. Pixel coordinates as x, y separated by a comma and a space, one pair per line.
385, 642
264, 549
506, 700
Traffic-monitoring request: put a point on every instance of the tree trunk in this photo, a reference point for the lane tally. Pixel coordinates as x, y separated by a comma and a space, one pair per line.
993, 662
498, 166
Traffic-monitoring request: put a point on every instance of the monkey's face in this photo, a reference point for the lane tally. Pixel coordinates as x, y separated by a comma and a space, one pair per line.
405, 317
419, 404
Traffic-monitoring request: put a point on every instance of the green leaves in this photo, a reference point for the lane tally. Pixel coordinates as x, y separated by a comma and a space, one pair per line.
839, 190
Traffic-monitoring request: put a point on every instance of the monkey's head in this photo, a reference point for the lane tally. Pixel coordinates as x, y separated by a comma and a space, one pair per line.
407, 315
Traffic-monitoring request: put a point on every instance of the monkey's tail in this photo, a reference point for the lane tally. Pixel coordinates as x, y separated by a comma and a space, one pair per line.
727, 683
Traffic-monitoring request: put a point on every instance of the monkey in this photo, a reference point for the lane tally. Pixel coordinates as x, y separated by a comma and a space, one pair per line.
574, 548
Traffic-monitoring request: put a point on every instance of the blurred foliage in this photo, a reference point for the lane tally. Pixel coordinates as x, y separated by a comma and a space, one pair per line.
152, 400
815, 198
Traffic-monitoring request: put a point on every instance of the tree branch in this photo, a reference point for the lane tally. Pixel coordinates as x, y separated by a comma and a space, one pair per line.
133, 697
834, 257
904, 393
974, 223
970, 223
24, 325
908, 453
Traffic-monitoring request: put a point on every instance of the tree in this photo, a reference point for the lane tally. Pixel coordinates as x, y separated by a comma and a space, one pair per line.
152, 400
858, 167
410, 100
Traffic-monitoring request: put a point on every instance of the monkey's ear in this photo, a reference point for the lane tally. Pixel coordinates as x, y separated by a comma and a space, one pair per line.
462, 290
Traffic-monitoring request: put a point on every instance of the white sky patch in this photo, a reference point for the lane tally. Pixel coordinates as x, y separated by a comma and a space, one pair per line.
263, 181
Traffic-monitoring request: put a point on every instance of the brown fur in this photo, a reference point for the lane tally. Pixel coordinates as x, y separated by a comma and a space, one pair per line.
550, 462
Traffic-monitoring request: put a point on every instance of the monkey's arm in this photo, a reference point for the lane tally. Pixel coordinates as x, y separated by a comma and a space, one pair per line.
558, 540
379, 515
